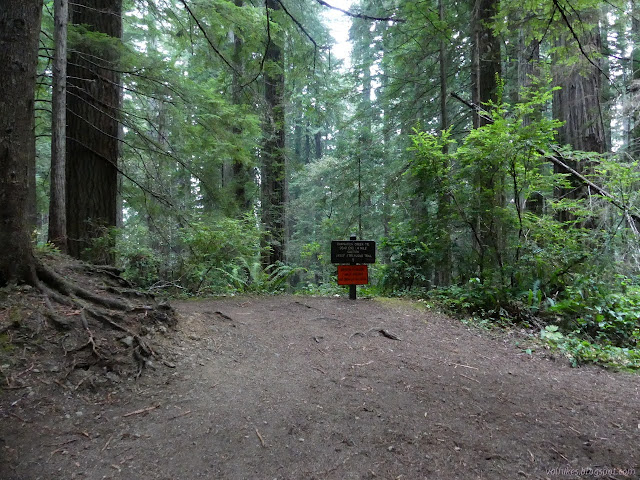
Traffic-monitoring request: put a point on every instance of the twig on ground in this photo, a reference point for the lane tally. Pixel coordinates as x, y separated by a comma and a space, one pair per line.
19, 417
91, 340
181, 415
455, 365
388, 334
107, 444
556, 451
362, 364
469, 378
260, 438
60, 444
384, 332
142, 410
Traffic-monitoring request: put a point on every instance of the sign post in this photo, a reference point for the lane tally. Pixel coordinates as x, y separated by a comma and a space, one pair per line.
352, 254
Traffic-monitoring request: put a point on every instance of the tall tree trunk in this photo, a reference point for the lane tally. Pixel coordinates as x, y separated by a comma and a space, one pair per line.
443, 270
634, 130
93, 104
57, 209
20, 29
578, 105
363, 59
528, 78
485, 70
273, 173
239, 171
485, 56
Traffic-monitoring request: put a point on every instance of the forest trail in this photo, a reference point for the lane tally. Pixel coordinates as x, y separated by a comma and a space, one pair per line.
290, 387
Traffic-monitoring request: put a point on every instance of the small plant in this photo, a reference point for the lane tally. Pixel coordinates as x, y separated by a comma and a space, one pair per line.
250, 277
47, 248
552, 334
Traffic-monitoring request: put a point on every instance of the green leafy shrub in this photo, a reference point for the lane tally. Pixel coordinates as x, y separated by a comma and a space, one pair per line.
252, 278
607, 313
220, 245
409, 261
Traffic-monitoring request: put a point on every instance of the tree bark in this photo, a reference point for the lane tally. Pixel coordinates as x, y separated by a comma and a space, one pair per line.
19, 32
577, 104
634, 130
485, 69
273, 173
57, 201
443, 270
241, 173
485, 56
93, 104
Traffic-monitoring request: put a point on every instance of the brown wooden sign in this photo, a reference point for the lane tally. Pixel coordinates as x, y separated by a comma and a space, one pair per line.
353, 275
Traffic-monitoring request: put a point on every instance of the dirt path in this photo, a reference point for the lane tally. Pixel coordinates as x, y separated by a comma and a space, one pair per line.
319, 388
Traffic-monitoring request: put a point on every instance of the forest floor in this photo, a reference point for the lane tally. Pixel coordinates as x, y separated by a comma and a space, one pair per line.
288, 387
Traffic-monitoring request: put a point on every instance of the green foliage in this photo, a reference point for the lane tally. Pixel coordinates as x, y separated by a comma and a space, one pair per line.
517, 251
409, 258
581, 351
46, 248
252, 278
608, 313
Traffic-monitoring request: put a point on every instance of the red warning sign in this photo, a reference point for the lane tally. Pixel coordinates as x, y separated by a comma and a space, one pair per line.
353, 275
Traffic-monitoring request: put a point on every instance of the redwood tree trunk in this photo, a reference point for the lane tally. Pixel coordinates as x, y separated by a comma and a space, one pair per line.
19, 32
443, 269
273, 173
241, 173
578, 105
485, 68
93, 103
634, 130
485, 56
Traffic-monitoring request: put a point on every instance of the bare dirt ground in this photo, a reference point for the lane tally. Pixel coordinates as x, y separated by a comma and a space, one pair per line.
322, 388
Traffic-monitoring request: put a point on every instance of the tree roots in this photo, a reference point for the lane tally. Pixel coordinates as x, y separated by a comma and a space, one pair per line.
100, 325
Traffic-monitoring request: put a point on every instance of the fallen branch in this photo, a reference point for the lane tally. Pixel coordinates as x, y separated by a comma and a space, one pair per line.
181, 415
260, 438
142, 410
455, 365
469, 378
382, 331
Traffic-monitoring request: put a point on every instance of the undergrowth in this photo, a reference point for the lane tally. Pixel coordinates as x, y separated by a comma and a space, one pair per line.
590, 322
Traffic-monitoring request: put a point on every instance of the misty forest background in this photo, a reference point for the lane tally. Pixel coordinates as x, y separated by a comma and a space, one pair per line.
489, 147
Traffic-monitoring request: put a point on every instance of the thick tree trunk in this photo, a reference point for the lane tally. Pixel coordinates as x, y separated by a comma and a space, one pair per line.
273, 173
19, 32
578, 105
57, 209
93, 104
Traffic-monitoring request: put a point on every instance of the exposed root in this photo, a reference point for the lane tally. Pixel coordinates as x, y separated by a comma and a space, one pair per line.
94, 325
92, 341
57, 320
57, 282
